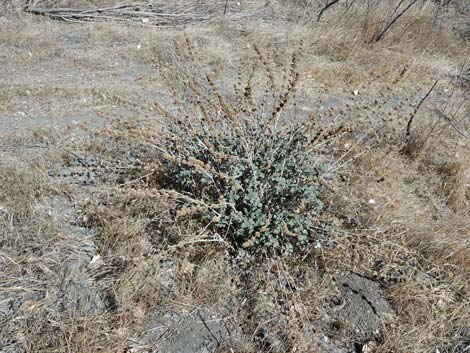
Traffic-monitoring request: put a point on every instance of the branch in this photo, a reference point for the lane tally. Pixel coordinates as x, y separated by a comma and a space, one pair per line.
387, 27
327, 6
410, 120
451, 123
142, 14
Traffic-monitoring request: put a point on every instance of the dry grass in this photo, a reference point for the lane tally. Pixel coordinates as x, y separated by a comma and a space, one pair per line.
400, 219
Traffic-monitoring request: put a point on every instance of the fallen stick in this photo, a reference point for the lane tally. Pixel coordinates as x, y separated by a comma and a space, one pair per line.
42, 11
136, 13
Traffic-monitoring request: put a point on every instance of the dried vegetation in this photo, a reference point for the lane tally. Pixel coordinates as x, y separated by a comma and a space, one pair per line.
182, 215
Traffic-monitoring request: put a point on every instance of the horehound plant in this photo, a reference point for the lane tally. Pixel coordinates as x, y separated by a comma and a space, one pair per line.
241, 164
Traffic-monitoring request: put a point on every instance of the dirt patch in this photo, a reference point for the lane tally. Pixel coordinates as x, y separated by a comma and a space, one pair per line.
194, 332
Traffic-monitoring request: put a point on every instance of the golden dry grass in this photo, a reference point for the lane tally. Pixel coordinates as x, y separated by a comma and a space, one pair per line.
401, 219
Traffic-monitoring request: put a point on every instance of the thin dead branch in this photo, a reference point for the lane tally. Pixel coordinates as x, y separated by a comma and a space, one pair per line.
390, 24
411, 119
326, 7
142, 14
451, 123
123, 12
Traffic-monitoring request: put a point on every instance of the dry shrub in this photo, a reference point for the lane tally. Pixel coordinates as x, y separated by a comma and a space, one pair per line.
152, 159
245, 165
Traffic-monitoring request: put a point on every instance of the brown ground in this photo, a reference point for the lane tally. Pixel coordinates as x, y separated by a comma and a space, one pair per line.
85, 267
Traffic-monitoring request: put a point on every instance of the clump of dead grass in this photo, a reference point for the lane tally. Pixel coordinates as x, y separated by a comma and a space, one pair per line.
30, 41
32, 253
415, 243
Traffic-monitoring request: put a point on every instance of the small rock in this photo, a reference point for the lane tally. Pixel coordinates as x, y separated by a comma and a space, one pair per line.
364, 308
3, 209
78, 295
369, 346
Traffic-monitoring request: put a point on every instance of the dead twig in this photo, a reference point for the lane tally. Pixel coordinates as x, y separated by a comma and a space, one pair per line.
327, 6
141, 14
390, 24
451, 123
207, 328
119, 13
410, 120
17, 145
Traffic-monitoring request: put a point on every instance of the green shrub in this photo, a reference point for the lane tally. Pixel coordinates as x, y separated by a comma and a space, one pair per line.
243, 164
